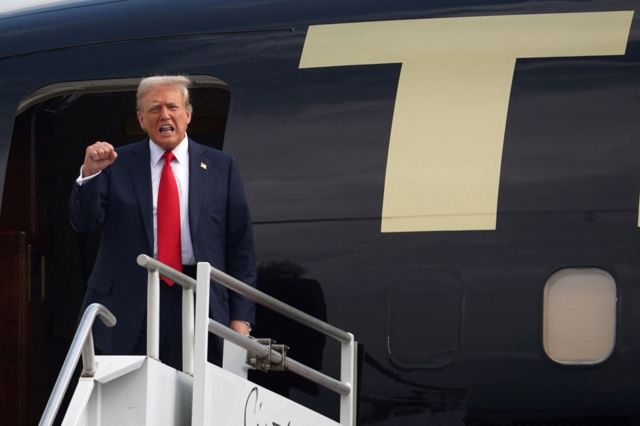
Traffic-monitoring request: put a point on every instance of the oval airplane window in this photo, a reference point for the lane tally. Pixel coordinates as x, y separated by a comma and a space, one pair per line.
579, 316
425, 317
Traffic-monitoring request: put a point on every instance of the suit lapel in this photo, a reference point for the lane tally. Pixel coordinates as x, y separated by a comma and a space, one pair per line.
140, 168
196, 182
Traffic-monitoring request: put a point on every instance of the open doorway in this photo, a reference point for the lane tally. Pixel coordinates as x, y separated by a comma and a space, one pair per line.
47, 263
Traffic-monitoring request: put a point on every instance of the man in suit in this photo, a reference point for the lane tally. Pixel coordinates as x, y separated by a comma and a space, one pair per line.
134, 193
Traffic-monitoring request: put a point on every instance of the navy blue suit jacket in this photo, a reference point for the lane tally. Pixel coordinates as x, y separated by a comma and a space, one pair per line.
120, 201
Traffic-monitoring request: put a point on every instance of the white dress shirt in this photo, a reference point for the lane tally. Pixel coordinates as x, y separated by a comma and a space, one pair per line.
180, 169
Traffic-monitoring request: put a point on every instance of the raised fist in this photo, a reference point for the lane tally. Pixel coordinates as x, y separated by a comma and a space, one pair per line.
97, 157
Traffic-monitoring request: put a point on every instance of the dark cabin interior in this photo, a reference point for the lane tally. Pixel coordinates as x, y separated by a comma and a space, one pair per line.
46, 263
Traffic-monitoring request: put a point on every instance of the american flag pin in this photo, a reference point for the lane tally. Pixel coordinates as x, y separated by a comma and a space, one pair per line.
203, 166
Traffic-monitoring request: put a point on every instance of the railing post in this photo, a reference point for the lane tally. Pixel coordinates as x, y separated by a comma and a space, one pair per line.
153, 314
199, 413
348, 373
187, 330
88, 357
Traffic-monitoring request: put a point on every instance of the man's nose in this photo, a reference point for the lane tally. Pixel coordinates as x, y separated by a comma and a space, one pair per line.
164, 113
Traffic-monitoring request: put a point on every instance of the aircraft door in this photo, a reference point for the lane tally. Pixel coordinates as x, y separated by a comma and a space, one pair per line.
45, 263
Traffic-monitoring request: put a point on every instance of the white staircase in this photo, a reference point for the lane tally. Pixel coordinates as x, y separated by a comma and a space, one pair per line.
131, 390
140, 390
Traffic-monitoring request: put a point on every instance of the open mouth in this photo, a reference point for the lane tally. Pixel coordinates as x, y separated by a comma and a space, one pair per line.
166, 129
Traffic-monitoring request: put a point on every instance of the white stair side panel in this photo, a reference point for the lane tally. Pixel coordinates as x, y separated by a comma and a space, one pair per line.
77, 412
122, 401
233, 401
153, 395
169, 395
85, 406
147, 393
233, 359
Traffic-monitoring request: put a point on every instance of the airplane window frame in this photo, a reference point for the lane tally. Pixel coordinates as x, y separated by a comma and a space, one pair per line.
438, 285
103, 86
557, 350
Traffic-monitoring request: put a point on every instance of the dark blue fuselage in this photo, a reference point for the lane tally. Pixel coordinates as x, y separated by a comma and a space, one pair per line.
449, 322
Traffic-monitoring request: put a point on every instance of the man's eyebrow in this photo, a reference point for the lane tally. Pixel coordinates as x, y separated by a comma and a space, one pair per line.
157, 103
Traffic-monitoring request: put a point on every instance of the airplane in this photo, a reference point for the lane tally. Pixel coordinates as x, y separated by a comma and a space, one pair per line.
454, 182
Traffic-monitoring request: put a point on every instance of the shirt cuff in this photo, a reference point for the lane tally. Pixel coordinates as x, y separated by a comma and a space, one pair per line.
82, 180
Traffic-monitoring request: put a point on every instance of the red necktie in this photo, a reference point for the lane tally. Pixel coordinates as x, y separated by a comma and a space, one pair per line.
168, 218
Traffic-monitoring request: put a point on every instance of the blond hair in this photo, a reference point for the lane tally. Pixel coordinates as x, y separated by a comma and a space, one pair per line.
180, 81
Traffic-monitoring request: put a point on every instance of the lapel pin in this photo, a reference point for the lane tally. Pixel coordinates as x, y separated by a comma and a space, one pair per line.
203, 166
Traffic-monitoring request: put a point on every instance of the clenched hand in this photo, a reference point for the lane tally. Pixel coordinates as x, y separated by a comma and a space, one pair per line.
97, 157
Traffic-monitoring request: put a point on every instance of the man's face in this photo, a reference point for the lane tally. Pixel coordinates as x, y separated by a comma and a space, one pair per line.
164, 116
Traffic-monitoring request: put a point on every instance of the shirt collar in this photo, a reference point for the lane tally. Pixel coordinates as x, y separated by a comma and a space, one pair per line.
180, 152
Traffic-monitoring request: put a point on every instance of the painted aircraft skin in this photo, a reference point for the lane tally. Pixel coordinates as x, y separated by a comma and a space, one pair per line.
416, 171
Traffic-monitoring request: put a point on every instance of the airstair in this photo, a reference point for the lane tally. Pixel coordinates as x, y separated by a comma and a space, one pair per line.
140, 390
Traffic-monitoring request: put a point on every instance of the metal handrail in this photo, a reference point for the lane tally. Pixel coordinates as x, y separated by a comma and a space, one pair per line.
82, 344
196, 334
291, 364
150, 263
346, 386
282, 308
250, 293
155, 268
